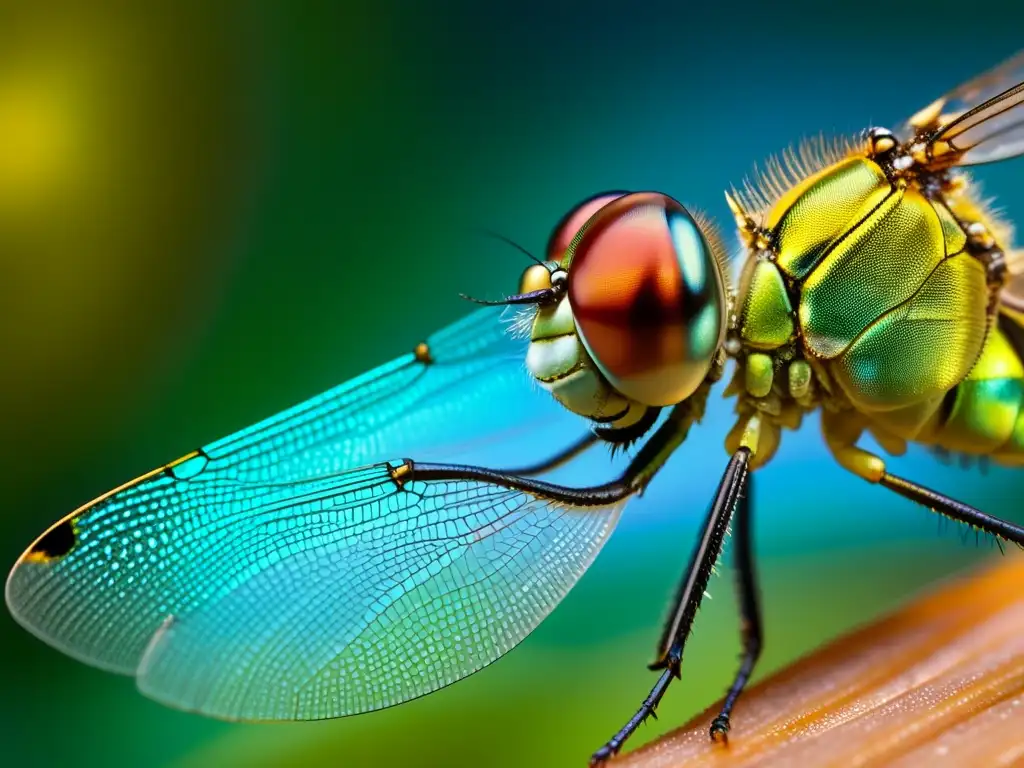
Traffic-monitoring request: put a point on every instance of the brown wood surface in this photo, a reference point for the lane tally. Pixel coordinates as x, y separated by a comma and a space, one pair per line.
939, 683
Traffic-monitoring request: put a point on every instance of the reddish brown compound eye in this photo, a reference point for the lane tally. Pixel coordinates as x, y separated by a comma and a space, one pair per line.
648, 297
570, 224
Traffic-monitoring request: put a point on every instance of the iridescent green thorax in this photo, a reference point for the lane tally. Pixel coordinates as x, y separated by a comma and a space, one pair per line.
882, 284
816, 213
765, 318
861, 294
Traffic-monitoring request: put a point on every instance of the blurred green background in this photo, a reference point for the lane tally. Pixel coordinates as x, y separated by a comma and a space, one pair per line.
209, 212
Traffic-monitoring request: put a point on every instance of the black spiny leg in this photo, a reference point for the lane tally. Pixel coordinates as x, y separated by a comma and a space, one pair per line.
691, 591
750, 611
954, 509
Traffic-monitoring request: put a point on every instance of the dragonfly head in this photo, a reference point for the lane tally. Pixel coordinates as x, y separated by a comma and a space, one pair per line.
639, 311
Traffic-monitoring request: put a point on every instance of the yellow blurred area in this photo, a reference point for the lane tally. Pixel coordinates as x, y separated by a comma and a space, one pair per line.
38, 154
124, 138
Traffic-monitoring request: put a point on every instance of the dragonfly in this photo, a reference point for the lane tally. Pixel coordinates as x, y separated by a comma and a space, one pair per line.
402, 531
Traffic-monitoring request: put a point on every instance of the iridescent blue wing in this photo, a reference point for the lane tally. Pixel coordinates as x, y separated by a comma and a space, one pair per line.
355, 596
282, 573
472, 388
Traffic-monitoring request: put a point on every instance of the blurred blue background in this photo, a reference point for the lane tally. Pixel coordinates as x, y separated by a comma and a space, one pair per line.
209, 212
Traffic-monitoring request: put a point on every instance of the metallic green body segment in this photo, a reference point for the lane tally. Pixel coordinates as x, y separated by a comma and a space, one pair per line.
759, 372
998, 360
799, 378
956, 238
816, 213
1012, 452
892, 317
879, 265
988, 402
884, 283
1007, 360
923, 347
984, 415
766, 317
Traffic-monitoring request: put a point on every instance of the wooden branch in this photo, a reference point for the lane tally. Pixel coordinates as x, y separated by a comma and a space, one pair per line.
939, 683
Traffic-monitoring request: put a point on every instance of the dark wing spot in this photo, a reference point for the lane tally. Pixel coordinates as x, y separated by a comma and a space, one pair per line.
55, 543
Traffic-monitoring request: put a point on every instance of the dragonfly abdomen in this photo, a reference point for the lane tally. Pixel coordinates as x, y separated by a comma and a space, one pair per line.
984, 413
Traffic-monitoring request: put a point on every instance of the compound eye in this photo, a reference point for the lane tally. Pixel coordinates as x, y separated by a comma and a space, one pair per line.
570, 224
648, 297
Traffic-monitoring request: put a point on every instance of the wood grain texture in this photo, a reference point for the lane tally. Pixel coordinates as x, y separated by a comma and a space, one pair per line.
938, 683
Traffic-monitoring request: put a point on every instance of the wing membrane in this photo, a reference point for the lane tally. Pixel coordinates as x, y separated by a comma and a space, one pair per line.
1011, 313
1012, 296
981, 121
402, 407
100, 584
992, 131
982, 88
311, 599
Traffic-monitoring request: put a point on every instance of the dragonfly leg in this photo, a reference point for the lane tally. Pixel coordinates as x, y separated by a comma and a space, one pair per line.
840, 437
553, 462
750, 611
954, 509
689, 596
648, 460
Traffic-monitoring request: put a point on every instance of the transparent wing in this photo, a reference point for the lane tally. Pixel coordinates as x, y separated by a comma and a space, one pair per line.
967, 96
1011, 313
1013, 293
99, 584
990, 132
978, 122
445, 407
310, 599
